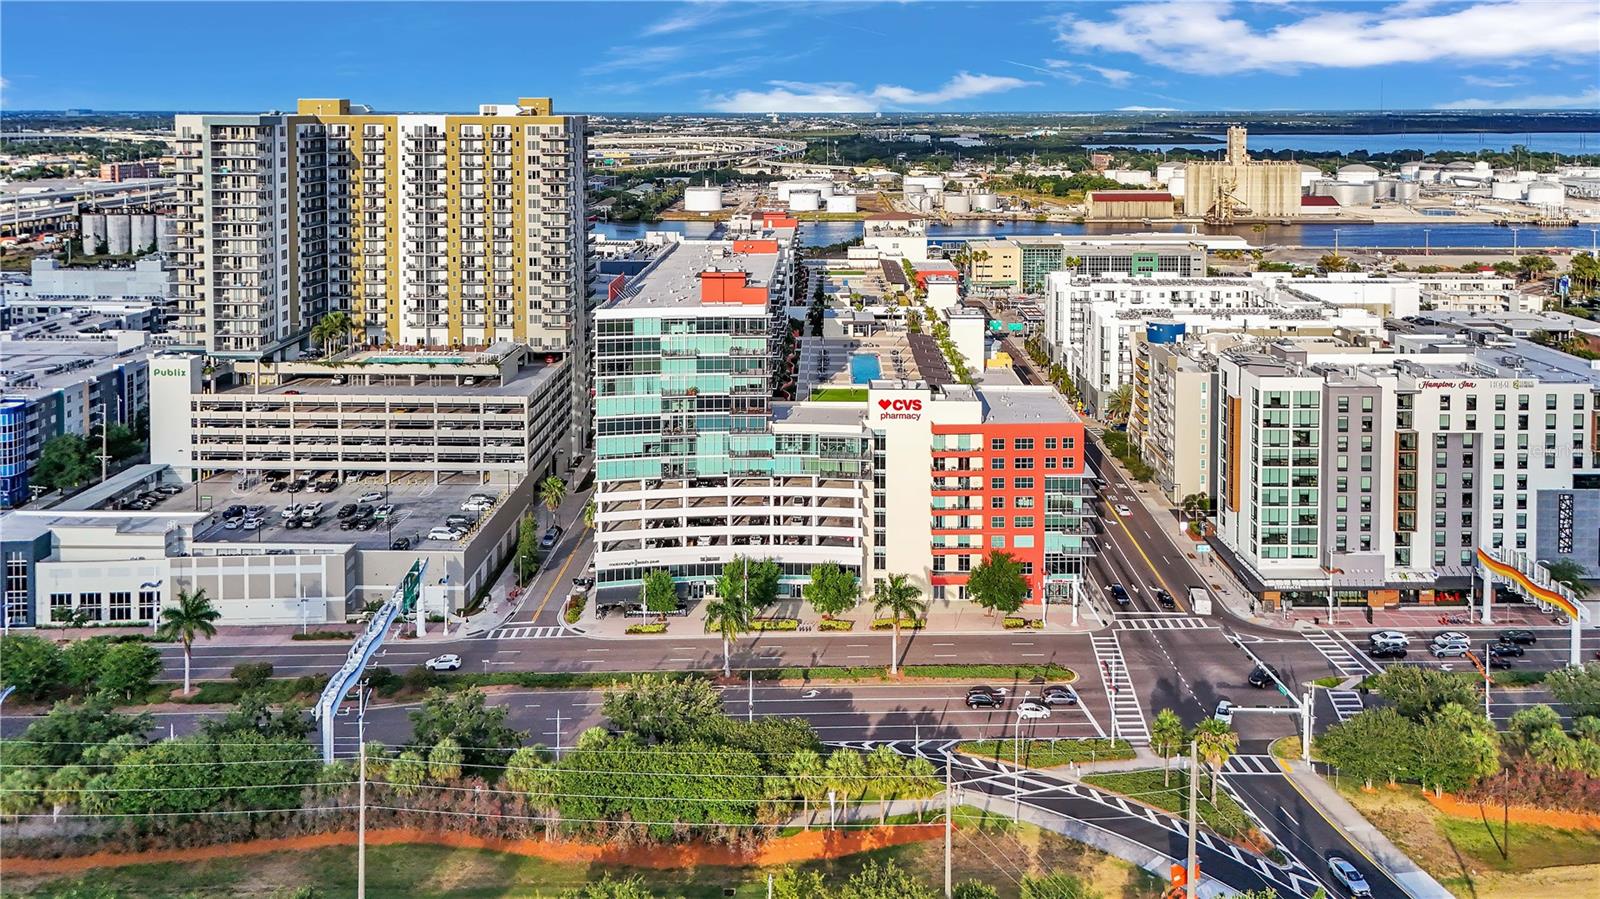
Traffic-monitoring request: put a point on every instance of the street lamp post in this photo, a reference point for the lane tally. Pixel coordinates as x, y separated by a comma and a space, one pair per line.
1427, 246
1016, 757
1514, 246
1336, 240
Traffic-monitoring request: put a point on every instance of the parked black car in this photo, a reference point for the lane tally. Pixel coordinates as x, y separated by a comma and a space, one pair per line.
346, 510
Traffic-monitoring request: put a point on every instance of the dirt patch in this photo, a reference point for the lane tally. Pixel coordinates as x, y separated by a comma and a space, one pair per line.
1460, 808
801, 847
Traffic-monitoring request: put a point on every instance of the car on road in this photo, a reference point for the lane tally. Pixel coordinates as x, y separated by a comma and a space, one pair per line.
1387, 651
1120, 594
1451, 637
1348, 876
1261, 677
985, 698
369, 497
1056, 694
1389, 638
1519, 637
1224, 712
550, 537
1449, 650
1165, 600
1032, 710
447, 662
1501, 649
1123, 510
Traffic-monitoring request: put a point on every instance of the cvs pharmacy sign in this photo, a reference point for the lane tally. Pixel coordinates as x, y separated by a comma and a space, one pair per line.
899, 410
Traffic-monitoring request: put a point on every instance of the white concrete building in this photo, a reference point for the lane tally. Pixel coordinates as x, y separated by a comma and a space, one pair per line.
897, 234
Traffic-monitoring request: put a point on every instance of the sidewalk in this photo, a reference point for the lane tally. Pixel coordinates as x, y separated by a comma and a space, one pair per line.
945, 618
1372, 843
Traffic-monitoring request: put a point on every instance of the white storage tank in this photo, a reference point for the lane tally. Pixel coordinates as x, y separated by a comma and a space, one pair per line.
92, 228
1507, 190
983, 201
1348, 194
119, 235
166, 234
957, 204
1323, 188
912, 187
922, 202
842, 203
805, 200
1407, 191
702, 199
933, 184
1383, 189
1356, 173
1410, 169
1178, 183
1543, 193
144, 233
1165, 171
1309, 175
1525, 176
1480, 167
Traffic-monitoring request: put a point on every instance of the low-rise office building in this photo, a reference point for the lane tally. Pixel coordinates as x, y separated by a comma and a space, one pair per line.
1473, 293
51, 290
1023, 264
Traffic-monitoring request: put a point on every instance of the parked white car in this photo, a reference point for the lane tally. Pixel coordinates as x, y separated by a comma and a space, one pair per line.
369, 497
1032, 710
447, 662
443, 533
251, 524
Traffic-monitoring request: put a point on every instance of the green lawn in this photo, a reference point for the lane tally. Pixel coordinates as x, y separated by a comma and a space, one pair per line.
839, 394
1226, 817
1049, 753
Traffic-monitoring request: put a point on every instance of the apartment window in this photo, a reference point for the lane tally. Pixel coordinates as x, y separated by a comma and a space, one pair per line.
1022, 523
1366, 484
1343, 444
1024, 502
1444, 401
1444, 422
1499, 402
90, 605
1342, 463
997, 502
1549, 401
1022, 443
60, 606
997, 463
1577, 401
997, 443
997, 522
997, 541
997, 483
1049, 461
1023, 463
1022, 483
1342, 423
121, 606
1049, 443
1069, 442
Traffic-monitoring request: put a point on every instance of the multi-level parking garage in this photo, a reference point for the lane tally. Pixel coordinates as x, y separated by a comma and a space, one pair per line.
691, 152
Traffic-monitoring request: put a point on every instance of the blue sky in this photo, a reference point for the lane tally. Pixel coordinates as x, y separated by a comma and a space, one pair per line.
776, 56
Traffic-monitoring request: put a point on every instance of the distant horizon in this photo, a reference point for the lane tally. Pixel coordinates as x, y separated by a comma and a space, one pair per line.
620, 58
1563, 114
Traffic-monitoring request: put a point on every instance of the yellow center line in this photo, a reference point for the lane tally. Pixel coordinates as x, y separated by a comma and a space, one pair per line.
1137, 546
552, 591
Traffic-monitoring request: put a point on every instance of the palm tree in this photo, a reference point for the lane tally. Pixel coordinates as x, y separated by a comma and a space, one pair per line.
900, 599
1166, 738
552, 490
1216, 743
191, 616
1569, 574
807, 777
729, 616
588, 514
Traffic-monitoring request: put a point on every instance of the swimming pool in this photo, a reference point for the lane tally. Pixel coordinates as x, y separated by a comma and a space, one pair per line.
413, 360
864, 368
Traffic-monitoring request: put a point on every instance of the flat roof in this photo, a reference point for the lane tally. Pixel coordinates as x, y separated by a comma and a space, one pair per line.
525, 382
1021, 404
844, 415
672, 280
60, 363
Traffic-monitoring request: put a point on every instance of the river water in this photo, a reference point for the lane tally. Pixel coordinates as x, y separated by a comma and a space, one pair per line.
1564, 142
1441, 235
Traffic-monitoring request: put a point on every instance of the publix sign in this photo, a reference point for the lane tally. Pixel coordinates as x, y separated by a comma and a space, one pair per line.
169, 372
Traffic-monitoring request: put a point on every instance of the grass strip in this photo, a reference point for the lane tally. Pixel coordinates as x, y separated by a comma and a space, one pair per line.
1048, 753
1226, 816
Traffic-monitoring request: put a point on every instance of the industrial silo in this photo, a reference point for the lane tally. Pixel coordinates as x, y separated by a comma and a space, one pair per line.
144, 233
166, 234
92, 228
1383, 189
1406, 191
983, 201
1178, 183
957, 204
805, 200
119, 235
933, 184
842, 203
1543, 193
1347, 194
1508, 190
702, 199
1356, 173
1165, 171
922, 202
914, 187
1323, 188
1309, 174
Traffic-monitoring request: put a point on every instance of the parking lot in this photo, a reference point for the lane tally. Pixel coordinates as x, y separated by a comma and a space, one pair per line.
419, 504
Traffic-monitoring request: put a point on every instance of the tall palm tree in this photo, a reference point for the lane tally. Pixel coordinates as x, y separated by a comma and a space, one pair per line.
589, 511
729, 616
191, 616
899, 598
552, 490
807, 776
1216, 743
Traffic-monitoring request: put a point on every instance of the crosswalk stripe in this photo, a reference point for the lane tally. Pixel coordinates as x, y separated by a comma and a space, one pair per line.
523, 633
1332, 650
1346, 703
1126, 712
1250, 764
1176, 623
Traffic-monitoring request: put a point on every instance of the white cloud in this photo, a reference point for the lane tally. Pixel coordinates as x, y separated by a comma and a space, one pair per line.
692, 16
1210, 38
1480, 81
843, 96
1589, 99
1114, 77
627, 58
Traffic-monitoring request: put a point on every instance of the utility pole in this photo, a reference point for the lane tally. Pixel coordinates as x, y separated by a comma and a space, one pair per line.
750, 702
1193, 870
361, 814
948, 766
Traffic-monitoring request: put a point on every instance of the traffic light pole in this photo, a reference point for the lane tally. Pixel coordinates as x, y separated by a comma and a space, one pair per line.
1302, 706
1192, 871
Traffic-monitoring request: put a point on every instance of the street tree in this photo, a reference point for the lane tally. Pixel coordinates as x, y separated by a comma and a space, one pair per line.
65, 462
1577, 687
1535, 266
729, 616
444, 761
1167, 739
527, 549
898, 599
657, 593
466, 716
407, 773
80, 662
1456, 748
887, 770
64, 787
127, 669
92, 732
31, 664
846, 775
807, 777
885, 881
20, 792
997, 584
589, 512
754, 581
1418, 692
831, 589
1377, 744
1119, 405
607, 888
1216, 743
192, 616
552, 490
660, 708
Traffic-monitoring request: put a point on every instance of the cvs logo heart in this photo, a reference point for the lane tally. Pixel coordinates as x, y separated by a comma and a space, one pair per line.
884, 404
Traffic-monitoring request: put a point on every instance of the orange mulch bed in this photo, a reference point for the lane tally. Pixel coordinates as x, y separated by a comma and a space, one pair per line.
1460, 808
801, 847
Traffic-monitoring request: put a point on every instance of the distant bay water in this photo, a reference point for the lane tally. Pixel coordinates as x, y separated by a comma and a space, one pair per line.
1440, 235
1569, 143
